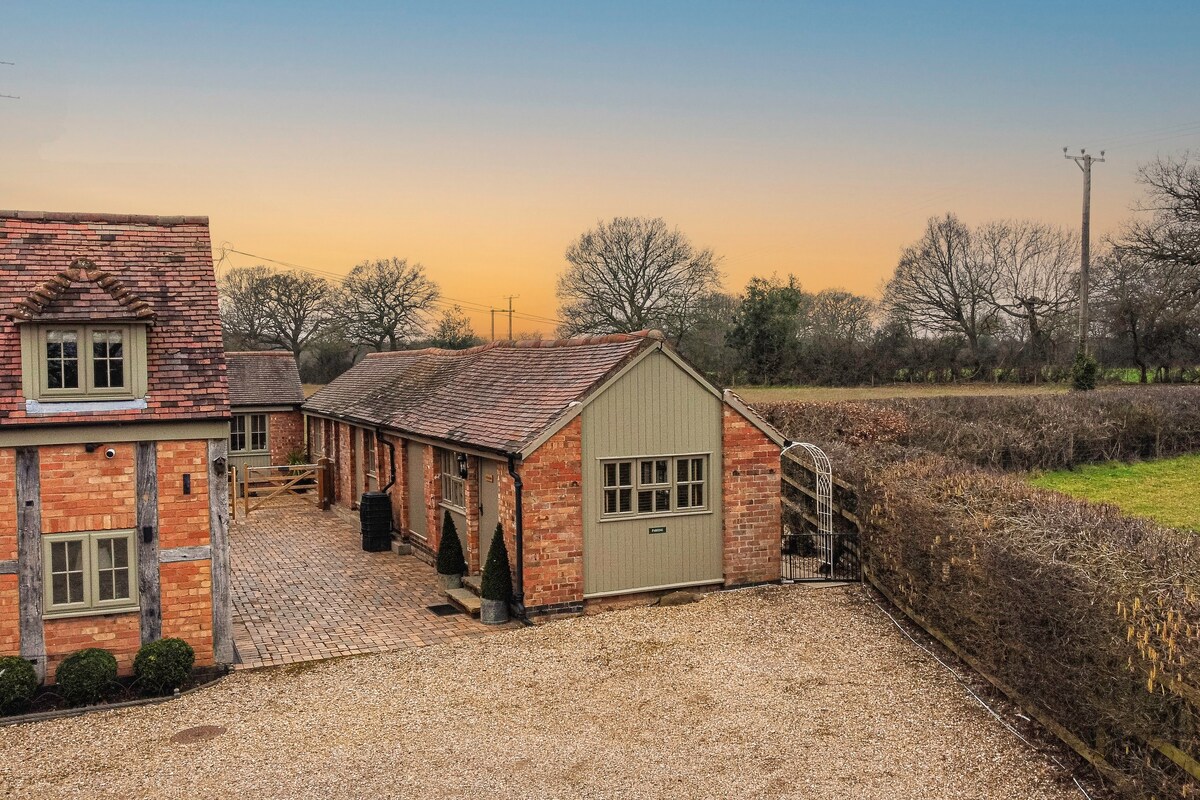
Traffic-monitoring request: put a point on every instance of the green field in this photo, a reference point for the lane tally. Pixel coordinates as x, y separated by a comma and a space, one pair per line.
829, 394
1167, 491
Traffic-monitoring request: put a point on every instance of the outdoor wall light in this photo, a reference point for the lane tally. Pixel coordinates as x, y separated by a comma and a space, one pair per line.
462, 465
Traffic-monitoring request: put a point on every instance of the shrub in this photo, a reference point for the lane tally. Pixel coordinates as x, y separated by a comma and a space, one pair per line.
161, 667
18, 682
450, 559
1084, 372
86, 676
497, 576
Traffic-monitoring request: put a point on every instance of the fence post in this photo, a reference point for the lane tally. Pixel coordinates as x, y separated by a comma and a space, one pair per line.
246, 490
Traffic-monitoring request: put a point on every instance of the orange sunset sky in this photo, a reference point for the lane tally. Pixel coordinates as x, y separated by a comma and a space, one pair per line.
481, 141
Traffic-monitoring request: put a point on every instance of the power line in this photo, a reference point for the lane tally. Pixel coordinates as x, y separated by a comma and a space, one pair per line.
9, 96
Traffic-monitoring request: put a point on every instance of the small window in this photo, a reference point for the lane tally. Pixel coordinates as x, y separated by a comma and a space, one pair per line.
453, 485
84, 362
248, 433
659, 484
90, 572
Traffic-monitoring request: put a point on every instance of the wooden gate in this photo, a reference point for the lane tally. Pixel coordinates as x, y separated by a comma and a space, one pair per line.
820, 529
262, 485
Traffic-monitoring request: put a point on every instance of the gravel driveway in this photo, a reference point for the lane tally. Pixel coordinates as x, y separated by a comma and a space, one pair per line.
774, 692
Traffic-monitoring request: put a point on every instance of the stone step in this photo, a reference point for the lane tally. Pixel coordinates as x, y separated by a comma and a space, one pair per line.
474, 583
466, 600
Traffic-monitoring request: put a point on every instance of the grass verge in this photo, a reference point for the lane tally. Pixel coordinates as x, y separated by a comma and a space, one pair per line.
1163, 490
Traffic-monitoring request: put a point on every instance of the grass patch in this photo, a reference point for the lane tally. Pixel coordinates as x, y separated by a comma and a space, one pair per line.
832, 394
1163, 490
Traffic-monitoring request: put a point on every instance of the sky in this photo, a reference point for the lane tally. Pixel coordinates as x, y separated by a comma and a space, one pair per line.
480, 139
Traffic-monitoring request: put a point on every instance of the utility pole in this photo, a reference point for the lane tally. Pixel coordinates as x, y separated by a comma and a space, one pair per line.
510, 298
1084, 162
493, 324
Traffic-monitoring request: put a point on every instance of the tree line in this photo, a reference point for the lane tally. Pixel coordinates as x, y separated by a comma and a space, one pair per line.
385, 304
995, 301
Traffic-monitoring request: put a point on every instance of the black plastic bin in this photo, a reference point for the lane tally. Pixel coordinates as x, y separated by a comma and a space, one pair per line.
375, 516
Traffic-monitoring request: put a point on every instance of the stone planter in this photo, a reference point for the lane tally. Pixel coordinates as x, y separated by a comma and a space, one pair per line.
493, 612
449, 582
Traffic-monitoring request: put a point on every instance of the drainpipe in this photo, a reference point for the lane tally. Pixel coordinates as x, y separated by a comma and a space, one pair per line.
391, 457
519, 538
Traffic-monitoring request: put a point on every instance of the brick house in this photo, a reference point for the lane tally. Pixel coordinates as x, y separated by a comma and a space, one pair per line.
114, 422
264, 398
615, 468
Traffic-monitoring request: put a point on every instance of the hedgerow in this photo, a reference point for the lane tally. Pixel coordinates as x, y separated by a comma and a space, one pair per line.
1090, 616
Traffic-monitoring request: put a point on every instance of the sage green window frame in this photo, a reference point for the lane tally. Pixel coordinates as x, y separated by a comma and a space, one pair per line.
454, 487
91, 603
35, 370
249, 429
633, 482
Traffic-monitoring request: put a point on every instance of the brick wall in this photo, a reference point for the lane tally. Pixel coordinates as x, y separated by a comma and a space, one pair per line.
83, 491
553, 520
285, 432
120, 634
751, 493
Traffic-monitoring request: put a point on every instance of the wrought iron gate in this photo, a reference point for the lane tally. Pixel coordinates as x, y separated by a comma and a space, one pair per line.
820, 533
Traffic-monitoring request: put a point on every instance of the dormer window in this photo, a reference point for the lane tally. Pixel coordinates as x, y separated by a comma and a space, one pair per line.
102, 361
83, 338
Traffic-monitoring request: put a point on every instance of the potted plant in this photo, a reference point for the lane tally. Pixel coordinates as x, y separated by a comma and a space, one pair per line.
496, 588
450, 562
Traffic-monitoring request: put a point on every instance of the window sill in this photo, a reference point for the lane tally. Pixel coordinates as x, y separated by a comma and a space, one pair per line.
452, 507
660, 515
80, 405
91, 612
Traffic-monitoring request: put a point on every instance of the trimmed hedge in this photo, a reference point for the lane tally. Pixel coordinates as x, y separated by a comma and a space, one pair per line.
1091, 616
86, 676
161, 667
496, 583
450, 559
18, 682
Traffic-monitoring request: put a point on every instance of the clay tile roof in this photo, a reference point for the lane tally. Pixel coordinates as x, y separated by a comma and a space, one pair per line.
263, 378
116, 267
498, 397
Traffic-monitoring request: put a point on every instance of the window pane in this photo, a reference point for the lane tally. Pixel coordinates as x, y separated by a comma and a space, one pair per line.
120, 552
681, 469
625, 470
626, 500
610, 501
62, 359
681, 496
662, 500
647, 468
660, 471
610, 474
58, 557
106, 585
698, 495
122, 580
104, 554
74, 555
644, 502
74, 587
70, 375
697, 469
58, 588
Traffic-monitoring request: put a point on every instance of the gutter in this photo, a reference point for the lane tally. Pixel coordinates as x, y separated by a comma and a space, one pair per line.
519, 538
391, 458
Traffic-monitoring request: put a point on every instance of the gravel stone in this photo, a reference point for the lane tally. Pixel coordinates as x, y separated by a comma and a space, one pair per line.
772, 692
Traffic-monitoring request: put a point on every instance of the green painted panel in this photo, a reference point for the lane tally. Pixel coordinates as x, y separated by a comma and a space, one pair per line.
654, 409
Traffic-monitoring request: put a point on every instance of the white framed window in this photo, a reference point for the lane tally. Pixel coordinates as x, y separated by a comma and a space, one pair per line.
654, 485
248, 433
454, 492
84, 362
89, 573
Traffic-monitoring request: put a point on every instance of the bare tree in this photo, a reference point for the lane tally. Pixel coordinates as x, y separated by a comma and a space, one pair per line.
244, 297
298, 309
941, 286
453, 331
634, 273
386, 302
1034, 278
1171, 233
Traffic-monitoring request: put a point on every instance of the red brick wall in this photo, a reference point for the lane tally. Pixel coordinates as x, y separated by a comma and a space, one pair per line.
187, 606
83, 491
285, 432
553, 519
120, 634
751, 499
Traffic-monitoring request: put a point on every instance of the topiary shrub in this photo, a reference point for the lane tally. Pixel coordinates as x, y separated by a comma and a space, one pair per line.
497, 577
18, 682
450, 559
161, 667
1084, 372
86, 676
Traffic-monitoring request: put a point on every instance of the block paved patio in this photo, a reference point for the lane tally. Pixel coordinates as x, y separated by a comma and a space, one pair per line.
304, 590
